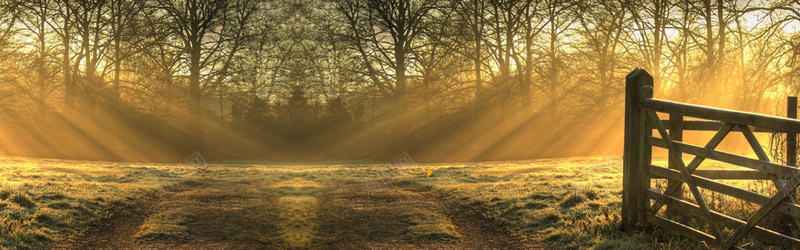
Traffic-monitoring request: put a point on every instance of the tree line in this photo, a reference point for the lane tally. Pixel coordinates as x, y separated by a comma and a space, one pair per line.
193, 74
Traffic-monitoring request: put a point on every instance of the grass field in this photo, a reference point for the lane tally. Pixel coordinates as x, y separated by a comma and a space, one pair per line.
551, 203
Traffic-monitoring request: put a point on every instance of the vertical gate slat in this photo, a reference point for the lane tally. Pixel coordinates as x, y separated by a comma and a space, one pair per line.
791, 138
676, 132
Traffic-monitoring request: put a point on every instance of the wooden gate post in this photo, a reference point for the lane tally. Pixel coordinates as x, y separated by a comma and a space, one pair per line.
634, 177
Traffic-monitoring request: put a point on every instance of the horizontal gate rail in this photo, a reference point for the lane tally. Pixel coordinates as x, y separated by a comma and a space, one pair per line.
722, 115
701, 125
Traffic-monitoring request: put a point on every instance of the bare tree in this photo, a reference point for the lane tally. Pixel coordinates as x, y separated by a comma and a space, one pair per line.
681, 49
650, 20
532, 25
403, 21
34, 20
602, 28
711, 42
472, 15
559, 17
127, 19
90, 19
390, 29
503, 23
193, 22
9, 51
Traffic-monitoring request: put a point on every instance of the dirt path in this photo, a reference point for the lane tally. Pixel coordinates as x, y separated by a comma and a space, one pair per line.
294, 214
356, 220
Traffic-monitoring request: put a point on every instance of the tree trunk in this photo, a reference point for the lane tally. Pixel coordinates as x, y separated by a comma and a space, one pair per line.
710, 55
719, 63
527, 79
69, 85
400, 68
115, 92
658, 15
553, 69
196, 121
478, 30
40, 67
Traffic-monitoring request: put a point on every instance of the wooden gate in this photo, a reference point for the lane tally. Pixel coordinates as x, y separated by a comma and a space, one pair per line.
642, 203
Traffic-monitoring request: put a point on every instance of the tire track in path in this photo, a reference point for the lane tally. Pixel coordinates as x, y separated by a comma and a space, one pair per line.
228, 215
351, 219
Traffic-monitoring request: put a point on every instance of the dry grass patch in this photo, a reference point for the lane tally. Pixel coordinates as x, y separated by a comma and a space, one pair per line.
44, 201
570, 203
574, 203
169, 225
297, 220
424, 225
22, 200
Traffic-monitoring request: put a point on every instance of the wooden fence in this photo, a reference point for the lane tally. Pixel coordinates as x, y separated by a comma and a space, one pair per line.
642, 203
